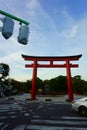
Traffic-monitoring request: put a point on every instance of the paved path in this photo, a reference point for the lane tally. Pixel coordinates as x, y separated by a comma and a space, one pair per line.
58, 98
17, 113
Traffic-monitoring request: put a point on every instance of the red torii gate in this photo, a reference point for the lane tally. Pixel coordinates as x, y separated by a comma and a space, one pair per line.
51, 64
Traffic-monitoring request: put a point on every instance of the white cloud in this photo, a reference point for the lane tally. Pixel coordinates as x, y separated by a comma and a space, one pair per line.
47, 37
73, 31
11, 58
32, 4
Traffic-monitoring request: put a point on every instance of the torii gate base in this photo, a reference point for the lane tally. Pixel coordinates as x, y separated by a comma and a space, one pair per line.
67, 65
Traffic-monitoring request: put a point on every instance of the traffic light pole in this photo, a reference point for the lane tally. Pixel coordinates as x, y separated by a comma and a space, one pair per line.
14, 17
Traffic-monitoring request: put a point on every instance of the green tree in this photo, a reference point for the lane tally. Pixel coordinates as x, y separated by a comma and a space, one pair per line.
53, 85
19, 86
58, 84
28, 85
39, 83
79, 85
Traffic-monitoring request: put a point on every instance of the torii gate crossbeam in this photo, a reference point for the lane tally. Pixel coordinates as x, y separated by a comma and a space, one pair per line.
51, 64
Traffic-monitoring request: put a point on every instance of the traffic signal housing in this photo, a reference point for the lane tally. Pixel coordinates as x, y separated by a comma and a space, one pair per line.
23, 34
8, 26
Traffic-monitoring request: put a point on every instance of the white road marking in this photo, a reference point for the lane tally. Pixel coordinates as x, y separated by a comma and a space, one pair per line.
74, 118
3, 117
20, 127
52, 123
13, 116
26, 114
59, 122
36, 116
39, 127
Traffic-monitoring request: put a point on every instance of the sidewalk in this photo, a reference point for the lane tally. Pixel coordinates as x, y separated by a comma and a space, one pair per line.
57, 98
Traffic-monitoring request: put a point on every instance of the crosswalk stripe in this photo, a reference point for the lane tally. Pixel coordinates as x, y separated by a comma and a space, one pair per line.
74, 118
39, 127
59, 122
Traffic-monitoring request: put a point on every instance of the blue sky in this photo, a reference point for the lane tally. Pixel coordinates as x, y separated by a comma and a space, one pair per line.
57, 28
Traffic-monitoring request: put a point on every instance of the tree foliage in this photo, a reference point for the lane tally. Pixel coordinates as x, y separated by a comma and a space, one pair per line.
79, 85
58, 84
54, 85
28, 85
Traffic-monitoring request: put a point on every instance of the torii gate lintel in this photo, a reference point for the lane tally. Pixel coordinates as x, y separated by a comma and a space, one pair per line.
51, 64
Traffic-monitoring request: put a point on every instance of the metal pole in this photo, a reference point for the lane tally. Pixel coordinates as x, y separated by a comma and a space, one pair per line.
14, 17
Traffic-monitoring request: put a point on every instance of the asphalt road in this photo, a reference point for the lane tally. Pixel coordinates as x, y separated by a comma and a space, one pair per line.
39, 115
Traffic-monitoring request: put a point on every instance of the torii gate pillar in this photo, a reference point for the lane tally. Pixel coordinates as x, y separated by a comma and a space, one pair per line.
34, 77
69, 81
51, 64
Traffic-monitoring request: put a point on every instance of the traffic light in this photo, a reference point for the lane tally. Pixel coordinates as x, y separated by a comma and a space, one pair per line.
7, 29
23, 34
